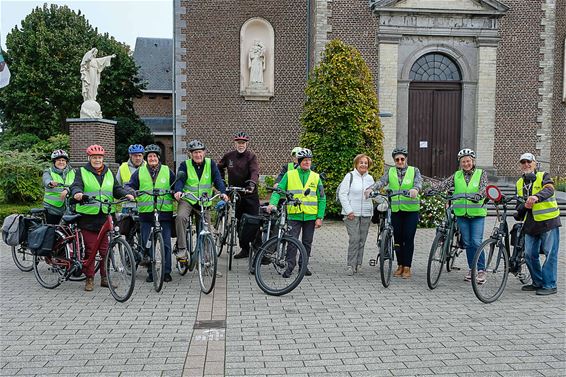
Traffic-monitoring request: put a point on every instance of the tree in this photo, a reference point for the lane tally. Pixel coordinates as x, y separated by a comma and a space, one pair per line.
341, 116
129, 132
44, 56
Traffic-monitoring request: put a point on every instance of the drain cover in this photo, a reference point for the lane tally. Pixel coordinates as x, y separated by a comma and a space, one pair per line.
210, 324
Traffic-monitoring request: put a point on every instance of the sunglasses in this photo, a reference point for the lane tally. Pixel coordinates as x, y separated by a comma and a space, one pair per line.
400, 159
525, 162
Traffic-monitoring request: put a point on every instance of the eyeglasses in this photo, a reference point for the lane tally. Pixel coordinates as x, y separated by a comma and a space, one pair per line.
400, 159
525, 162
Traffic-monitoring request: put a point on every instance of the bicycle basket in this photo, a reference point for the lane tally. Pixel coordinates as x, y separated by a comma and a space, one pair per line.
41, 240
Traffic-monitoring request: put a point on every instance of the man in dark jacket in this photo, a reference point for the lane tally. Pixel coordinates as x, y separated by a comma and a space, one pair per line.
541, 218
243, 171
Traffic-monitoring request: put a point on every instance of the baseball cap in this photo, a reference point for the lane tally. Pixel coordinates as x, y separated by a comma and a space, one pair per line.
527, 156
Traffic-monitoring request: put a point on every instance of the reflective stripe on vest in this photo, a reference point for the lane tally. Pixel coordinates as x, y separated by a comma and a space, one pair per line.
463, 206
198, 187
91, 187
52, 194
401, 202
145, 202
542, 210
309, 203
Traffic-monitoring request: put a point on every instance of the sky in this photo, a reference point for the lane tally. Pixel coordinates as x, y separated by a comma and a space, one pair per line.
125, 20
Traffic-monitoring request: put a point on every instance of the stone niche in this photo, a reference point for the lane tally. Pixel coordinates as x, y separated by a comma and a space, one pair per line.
257, 46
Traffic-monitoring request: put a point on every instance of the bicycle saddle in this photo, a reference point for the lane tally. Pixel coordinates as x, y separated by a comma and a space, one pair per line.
69, 219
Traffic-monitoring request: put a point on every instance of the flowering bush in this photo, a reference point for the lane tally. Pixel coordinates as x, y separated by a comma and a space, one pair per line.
432, 211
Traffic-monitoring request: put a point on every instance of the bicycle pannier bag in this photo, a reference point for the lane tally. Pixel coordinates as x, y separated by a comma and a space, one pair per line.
13, 230
41, 240
249, 226
126, 225
517, 240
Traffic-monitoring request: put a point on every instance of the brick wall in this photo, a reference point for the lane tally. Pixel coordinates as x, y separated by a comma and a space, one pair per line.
558, 156
154, 105
166, 144
518, 72
215, 109
87, 132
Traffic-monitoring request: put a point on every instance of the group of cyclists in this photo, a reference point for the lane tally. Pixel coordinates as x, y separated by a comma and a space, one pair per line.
201, 175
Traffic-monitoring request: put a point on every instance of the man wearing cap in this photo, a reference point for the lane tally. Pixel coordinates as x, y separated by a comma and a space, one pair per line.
243, 171
541, 218
288, 166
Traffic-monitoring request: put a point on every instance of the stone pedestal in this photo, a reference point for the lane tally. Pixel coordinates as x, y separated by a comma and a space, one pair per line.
87, 131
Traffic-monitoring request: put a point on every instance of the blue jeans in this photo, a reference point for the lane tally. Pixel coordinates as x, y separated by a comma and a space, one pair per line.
544, 277
471, 229
166, 233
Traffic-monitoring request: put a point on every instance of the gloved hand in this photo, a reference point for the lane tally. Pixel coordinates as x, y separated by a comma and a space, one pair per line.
220, 205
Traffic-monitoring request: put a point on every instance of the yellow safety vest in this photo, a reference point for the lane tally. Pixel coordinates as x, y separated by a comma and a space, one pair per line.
309, 204
198, 187
400, 202
92, 188
53, 194
463, 206
542, 210
145, 202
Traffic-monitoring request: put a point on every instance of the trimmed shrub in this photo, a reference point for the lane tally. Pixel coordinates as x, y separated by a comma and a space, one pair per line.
44, 148
341, 117
20, 177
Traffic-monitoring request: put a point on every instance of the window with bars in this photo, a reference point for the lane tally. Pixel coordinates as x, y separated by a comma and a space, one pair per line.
435, 67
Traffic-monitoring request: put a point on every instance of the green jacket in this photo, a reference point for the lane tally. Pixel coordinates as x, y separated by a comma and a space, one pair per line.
321, 197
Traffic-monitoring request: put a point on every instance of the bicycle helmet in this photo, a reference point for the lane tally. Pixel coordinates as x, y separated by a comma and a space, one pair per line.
295, 150
135, 148
195, 145
399, 150
153, 148
304, 153
466, 152
241, 136
95, 150
59, 153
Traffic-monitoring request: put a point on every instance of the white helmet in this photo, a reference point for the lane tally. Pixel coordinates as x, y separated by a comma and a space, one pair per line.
466, 152
304, 153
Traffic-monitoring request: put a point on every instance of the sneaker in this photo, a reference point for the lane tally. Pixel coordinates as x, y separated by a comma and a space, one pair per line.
167, 278
468, 276
546, 291
242, 254
529, 288
308, 273
480, 279
287, 274
349, 271
219, 274
358, 268
182, 255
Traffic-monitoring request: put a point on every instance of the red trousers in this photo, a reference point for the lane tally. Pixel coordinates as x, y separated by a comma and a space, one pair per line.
90, 248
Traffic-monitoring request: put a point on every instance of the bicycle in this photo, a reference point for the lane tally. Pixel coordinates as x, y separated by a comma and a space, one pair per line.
226, 223
154, 242
68, 258
272, 273
21, 254
498, 262
205, 248
447, 244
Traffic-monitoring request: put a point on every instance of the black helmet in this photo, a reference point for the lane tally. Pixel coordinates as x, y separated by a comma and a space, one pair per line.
152, 148
195, 145
399, 150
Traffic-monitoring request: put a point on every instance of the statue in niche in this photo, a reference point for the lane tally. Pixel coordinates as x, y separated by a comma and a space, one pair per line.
256, 63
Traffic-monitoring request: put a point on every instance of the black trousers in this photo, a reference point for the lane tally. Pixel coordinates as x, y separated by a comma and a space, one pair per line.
307, 229
404, 229
247, 204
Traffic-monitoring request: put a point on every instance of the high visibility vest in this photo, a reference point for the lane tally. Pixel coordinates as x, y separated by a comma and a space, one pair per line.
145, 202
542, 210
400, 202
309, 203
52, 194
290, 166
198, 187
92, 188
463, 206
126, 173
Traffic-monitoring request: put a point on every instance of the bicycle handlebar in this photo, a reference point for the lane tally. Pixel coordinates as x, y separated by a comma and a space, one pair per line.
155, 192
90, 199
202, 199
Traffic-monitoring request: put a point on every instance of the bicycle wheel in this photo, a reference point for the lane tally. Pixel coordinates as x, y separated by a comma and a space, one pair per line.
23, 258
120, 269
231, 242
47, 272
385, 257
451, 257
524, 274
221, 231
157, 261
496, 271
436, 260
271, 268
207, 263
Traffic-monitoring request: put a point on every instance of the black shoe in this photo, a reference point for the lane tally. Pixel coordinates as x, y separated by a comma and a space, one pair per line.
287, 274
308, 273
149, 279
167, 278
529, 288
242, 254
546, 291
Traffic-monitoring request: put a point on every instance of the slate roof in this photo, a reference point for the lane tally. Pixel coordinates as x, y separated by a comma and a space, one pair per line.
155, 58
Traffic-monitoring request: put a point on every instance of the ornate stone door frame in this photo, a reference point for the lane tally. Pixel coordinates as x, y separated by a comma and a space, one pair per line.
465, 30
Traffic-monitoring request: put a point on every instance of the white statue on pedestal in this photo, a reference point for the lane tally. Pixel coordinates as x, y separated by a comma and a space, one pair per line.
91, 67
256, 63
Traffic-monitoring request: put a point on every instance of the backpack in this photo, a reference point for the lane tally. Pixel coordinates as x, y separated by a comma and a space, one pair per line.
338, 188
13, 230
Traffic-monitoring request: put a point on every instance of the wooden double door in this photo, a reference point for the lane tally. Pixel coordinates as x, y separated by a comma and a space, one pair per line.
434, 126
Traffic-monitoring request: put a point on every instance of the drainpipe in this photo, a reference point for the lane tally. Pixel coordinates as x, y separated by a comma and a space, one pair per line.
309, 21
174, 96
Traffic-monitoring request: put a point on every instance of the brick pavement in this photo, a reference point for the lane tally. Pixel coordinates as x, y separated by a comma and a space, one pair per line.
332, 324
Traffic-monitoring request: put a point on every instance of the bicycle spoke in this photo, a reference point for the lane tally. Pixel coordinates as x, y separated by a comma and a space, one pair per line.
120, 269
207, 264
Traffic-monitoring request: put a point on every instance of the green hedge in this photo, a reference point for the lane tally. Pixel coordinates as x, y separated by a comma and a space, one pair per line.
7, 209
20, 176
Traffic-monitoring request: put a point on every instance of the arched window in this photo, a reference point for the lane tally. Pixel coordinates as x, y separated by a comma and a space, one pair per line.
435, 67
